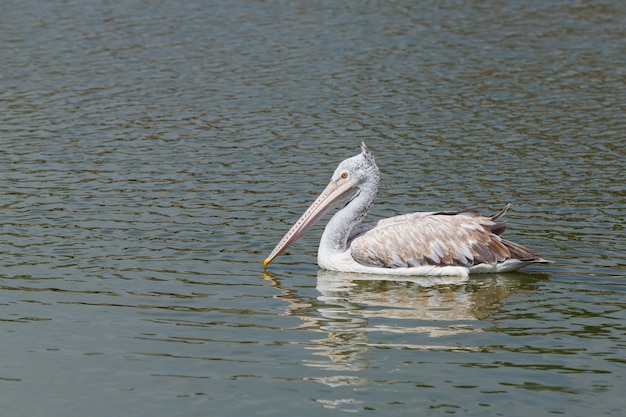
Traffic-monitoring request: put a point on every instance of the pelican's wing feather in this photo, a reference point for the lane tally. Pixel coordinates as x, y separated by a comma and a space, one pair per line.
436, 238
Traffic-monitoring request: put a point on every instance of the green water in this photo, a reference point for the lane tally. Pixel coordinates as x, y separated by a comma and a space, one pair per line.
153, 155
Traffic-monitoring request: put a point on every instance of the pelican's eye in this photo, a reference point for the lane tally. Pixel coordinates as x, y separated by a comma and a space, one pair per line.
344, 175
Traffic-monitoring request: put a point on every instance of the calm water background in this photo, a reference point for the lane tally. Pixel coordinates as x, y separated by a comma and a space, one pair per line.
153, 153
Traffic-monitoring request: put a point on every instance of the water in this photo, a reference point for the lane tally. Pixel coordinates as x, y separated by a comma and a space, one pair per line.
153, 155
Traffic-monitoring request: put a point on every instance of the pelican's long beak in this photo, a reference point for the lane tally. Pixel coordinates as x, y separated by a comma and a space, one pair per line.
333, 196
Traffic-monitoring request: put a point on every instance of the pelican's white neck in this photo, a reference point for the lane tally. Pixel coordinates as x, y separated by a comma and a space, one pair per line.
334, 240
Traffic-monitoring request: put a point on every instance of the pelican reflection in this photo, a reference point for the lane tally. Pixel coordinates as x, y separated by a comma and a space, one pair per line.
357, 312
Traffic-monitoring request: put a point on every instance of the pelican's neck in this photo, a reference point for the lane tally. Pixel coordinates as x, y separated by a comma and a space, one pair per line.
335, 237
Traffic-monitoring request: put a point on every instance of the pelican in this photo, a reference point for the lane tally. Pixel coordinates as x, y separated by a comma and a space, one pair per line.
442, 243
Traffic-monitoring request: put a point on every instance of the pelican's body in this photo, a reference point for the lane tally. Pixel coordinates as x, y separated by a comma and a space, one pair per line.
422, 243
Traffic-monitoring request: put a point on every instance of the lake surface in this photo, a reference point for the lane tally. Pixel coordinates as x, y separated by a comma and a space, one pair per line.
153, 154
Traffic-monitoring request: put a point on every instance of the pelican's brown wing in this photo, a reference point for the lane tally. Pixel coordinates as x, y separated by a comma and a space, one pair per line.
441, 239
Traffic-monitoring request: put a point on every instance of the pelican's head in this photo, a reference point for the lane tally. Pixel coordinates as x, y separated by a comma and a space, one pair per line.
360, 171
352, 176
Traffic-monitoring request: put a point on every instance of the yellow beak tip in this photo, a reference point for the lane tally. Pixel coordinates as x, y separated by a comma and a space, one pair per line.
265, 263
